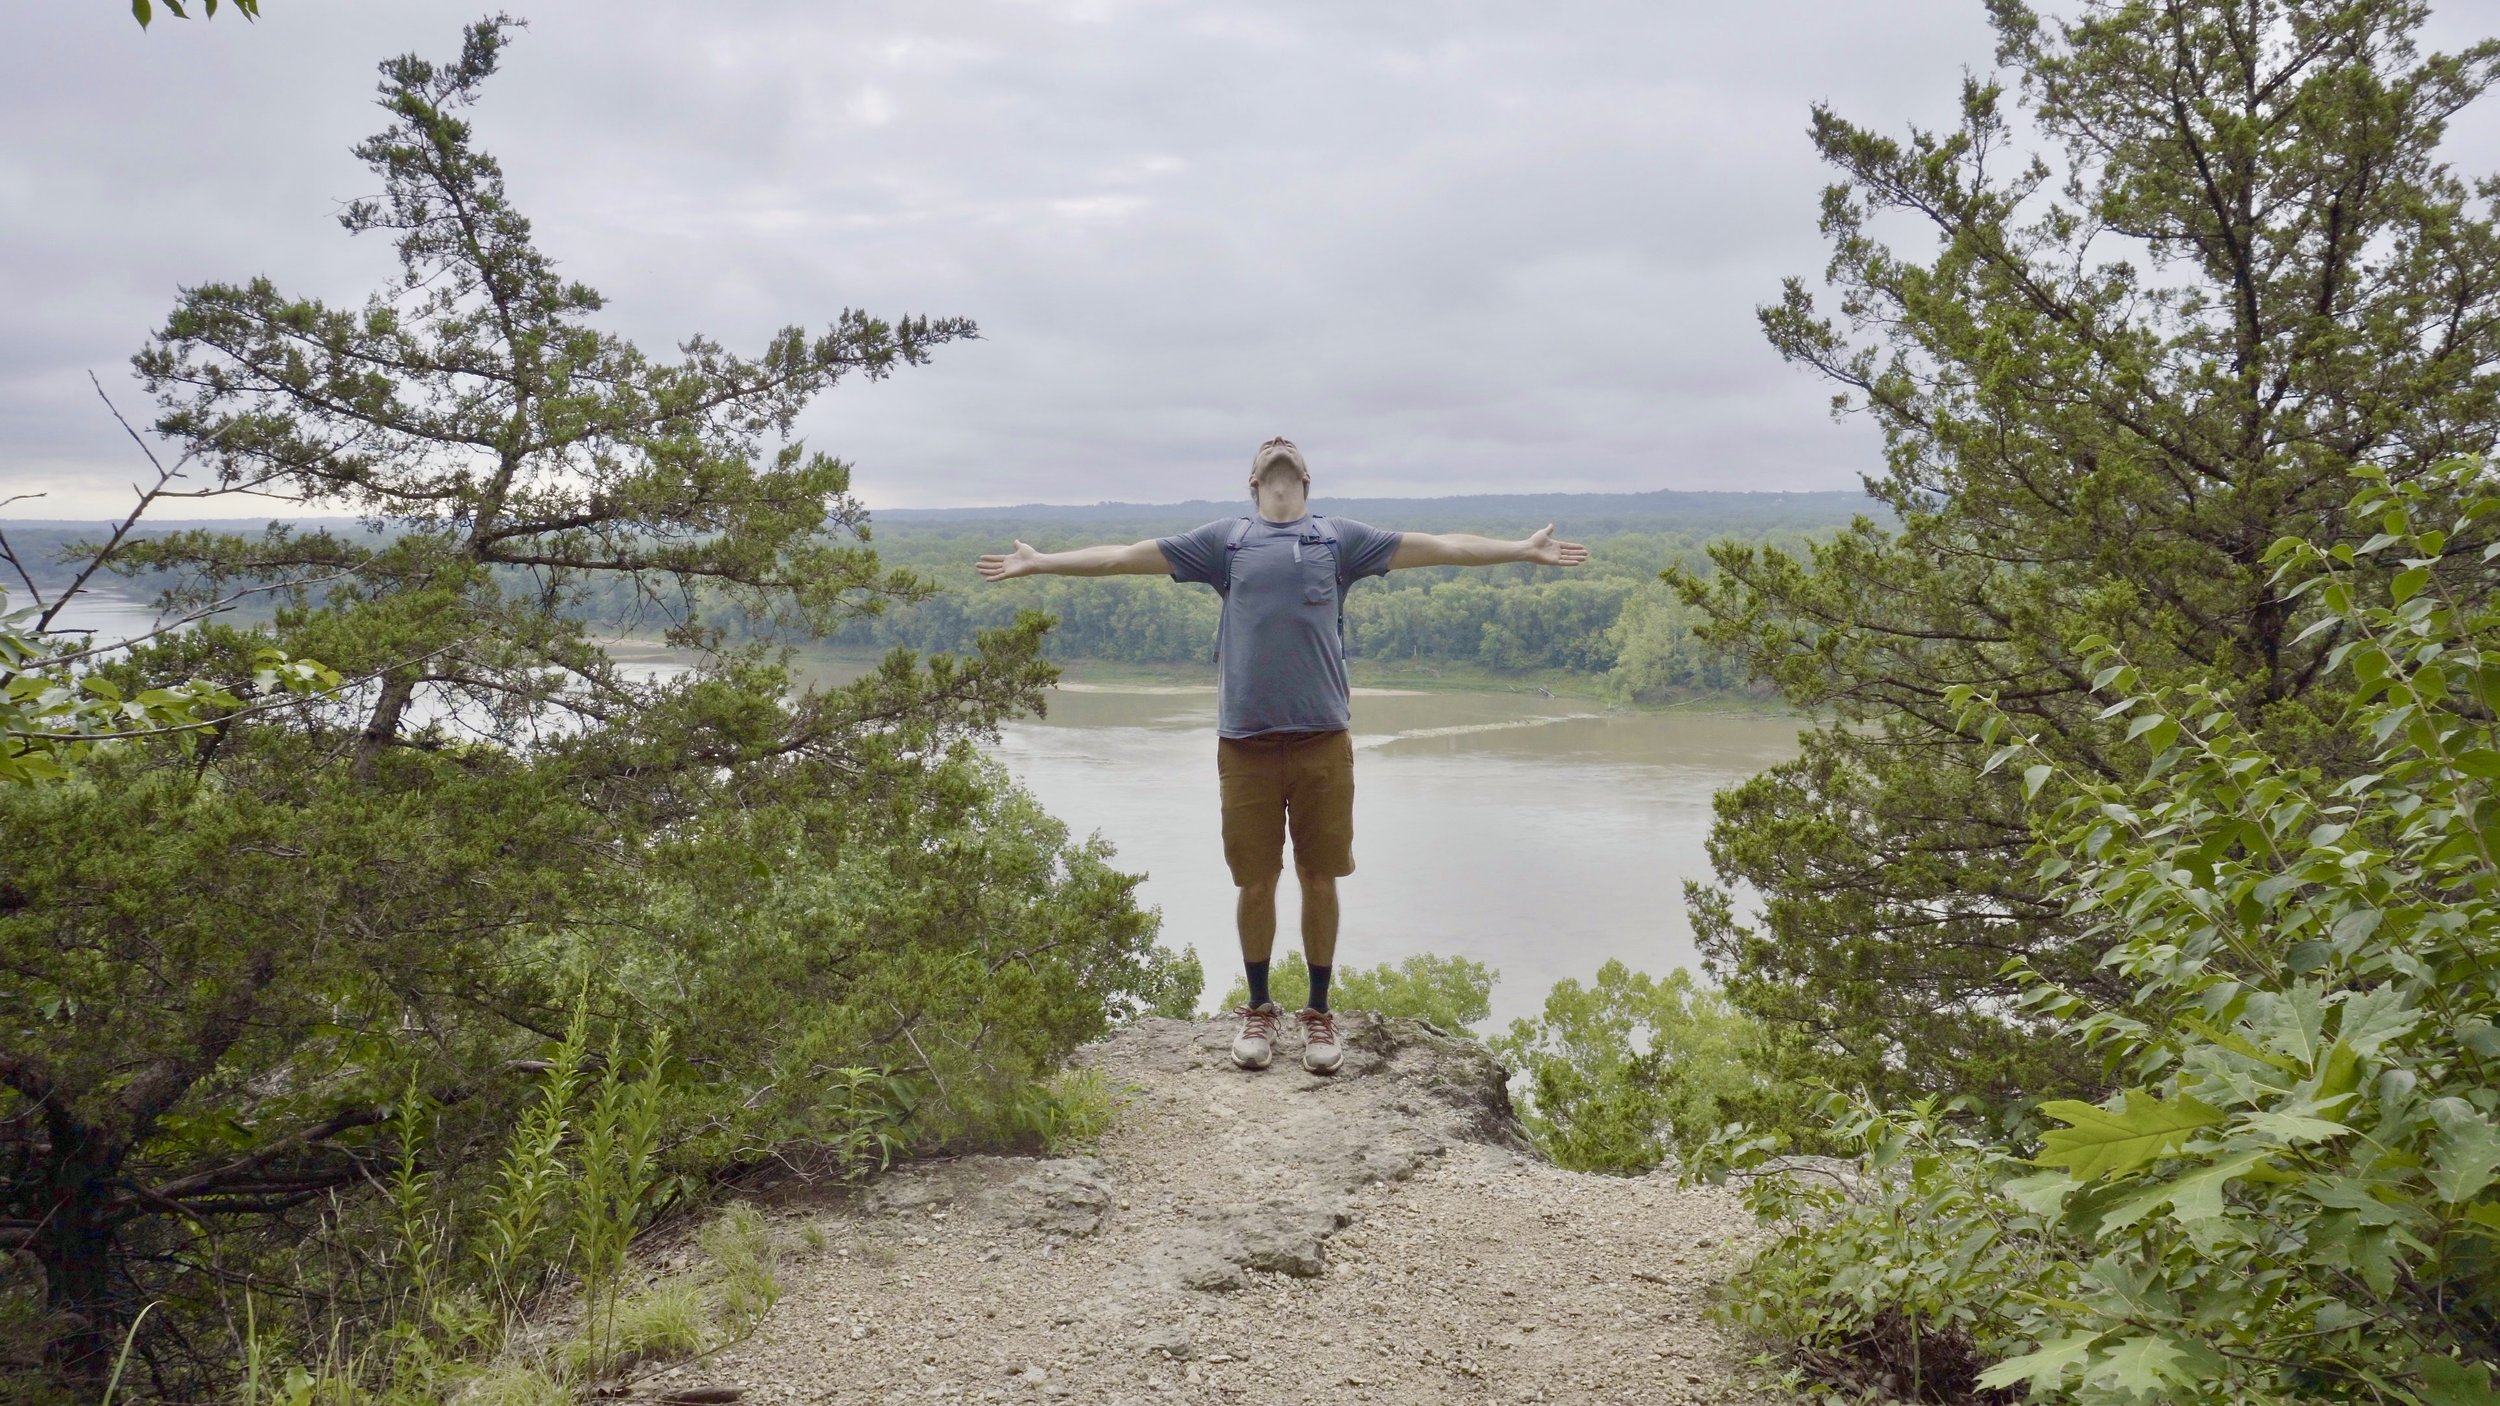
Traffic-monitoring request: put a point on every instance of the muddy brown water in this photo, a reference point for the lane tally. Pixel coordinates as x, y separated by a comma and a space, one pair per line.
1541, 836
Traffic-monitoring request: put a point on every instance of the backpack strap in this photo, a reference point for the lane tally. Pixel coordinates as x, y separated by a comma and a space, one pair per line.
1328, 534
1232, 544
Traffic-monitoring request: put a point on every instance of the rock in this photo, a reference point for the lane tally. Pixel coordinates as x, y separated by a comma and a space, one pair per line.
1286, 1240
1199, 1250
1057, 1196
1068, 1196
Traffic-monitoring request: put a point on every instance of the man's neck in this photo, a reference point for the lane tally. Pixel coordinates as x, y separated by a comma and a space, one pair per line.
1281, 513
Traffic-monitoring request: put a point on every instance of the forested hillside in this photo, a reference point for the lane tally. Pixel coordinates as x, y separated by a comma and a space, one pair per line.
1613, 622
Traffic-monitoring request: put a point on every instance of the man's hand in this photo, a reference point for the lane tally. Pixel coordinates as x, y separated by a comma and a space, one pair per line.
1542, 549
997, 566
1136, 559
1467, 549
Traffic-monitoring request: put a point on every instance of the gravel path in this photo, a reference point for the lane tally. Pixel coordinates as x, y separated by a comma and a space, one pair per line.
1383, 1235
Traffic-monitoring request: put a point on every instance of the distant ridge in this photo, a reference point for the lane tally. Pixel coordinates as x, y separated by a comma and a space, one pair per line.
1664, 510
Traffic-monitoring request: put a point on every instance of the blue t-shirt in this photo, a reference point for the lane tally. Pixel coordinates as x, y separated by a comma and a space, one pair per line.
1279, 664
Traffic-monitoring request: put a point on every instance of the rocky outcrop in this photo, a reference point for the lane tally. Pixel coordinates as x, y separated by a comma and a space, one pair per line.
1381, 1234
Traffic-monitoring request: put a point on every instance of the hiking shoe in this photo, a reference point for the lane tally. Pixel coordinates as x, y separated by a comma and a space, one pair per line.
1256, 1044
1320, 1051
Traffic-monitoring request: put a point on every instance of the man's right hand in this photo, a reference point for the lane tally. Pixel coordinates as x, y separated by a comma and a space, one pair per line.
1005, 566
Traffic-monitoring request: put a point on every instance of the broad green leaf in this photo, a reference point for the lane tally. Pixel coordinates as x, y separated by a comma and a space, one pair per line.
2448, 1382
2041, 1193
2466, 1153
2372, 1018
2143, 1365
2485, 1218
2294, 1126
2104, 1142
2041, 1369
2239, 1044
2194, 1197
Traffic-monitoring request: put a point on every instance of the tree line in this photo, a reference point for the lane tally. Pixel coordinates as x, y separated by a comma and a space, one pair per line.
1615, 623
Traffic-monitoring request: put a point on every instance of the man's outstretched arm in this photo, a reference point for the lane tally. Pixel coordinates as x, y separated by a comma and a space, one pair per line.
1136, 559
1466, 549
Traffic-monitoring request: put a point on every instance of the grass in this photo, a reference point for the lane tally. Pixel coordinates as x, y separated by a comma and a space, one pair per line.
740, 1247
512, 1384
1083, 1106
662, 1322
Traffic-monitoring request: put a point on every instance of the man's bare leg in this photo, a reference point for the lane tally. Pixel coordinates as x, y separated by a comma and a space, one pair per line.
1319, 918
1254, 915
1319, 947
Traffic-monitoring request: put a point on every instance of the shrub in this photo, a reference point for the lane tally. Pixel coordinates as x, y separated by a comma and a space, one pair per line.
1453, 993
1905, 1274
1618, 1073
2296, 1197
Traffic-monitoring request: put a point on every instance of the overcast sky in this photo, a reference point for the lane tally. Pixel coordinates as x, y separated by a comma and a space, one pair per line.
1448, 248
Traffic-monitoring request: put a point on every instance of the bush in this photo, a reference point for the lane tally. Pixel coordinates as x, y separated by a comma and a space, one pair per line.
1453, 993
1903, 1275
1619, 1073
2297, 1195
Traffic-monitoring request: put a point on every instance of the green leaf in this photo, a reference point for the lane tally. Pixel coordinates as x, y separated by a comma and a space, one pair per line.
2034, 776
2240, 1044
2466, 1153
2143, 1365
2194, 1197
2041, 1193
2102, 1141
2294, 1128
2486, 1218
2043, 1368
2448, 1382
2371, 1018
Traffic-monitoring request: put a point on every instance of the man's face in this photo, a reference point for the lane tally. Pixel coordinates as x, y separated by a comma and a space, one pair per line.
1278, 462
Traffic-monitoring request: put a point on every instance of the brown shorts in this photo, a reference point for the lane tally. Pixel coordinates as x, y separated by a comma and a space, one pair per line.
1298, 780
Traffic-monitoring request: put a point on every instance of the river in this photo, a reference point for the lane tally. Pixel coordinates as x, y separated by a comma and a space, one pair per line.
1538, 836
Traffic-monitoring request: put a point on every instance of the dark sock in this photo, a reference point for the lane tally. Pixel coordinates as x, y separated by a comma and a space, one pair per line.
1258, 983
1319, 988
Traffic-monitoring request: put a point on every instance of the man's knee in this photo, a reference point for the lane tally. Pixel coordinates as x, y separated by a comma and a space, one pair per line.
1315, 880
1258, 888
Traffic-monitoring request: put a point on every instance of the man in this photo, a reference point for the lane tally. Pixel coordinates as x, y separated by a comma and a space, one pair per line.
1283, 756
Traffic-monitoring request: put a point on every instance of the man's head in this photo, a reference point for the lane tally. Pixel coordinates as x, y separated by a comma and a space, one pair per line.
1279, 460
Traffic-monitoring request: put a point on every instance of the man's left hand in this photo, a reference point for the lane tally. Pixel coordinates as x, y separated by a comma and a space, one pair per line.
1542, 549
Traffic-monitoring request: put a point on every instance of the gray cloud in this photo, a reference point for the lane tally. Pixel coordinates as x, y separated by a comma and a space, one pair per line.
1457, 247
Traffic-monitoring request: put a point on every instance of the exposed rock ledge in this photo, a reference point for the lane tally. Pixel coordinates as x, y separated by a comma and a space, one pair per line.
1381, 1235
